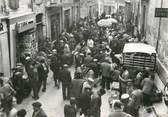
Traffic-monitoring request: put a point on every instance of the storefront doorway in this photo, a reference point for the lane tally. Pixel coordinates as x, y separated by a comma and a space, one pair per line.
55, 27
67, 20
39, 31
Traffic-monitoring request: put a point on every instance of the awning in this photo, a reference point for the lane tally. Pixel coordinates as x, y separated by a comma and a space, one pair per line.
139, 47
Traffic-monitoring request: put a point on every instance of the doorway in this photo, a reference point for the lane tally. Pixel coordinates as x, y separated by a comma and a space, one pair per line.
55, 27
67, 20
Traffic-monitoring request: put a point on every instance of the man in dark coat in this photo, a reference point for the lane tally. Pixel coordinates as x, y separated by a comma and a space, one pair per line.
88, 59
66, 82
85, 102
70, 109
76, 88
106, 70
18, 86
32, 73
38, 111
42, 74
96, 103
55, 67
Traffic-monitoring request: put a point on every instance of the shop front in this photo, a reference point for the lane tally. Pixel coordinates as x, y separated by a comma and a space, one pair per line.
4, 48
23, 37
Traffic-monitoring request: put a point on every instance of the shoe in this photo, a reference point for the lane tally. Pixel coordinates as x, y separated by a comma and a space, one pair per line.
44, 90
36, 98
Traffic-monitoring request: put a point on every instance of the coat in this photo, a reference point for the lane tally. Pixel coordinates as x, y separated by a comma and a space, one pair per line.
65, 76
42, 72
69, 111
96, 103
55, 64
40, 113
76, 87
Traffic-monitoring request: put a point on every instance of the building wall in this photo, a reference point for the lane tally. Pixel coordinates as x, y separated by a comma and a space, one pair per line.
4, 50
152, 28
86, 5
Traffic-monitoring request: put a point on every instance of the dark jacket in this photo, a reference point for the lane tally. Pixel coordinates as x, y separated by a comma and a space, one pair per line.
55, 64
40, 113
69, 111
43, 73
76, 87
96, 103
85, 101
66, 76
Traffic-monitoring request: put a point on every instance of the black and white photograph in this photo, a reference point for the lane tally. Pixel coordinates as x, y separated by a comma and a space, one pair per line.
83, 58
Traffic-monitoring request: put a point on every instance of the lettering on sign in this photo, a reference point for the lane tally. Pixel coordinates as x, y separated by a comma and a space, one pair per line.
24, 26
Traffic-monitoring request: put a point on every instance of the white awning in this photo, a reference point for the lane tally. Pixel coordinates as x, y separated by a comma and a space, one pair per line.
138, 47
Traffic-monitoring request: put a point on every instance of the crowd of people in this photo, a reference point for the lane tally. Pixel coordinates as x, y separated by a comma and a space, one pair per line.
91, 50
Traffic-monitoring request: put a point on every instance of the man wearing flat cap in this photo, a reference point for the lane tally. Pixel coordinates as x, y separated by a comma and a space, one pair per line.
38, 111
66, 82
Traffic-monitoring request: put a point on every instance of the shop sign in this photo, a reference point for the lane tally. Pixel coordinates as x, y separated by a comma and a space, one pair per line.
24, 26
161, 12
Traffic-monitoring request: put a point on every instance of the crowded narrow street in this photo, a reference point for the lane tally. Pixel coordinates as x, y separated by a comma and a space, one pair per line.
83, 58
53, 102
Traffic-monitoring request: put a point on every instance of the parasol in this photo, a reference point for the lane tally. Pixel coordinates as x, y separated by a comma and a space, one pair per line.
106, 22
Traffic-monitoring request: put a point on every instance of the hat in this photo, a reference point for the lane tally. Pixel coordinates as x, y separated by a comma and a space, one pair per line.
61, 41
72, 100
90, 79
21, 113
102, 91
95, 60
124, 96
28, 58
81, 54
65, 65
36, 104
18, 73
127, 1
54, 50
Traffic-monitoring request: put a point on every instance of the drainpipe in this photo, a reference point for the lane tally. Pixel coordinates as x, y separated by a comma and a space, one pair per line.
9, 43
158, 39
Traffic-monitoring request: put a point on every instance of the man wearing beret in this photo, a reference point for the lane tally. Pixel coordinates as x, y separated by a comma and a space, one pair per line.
38, 111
